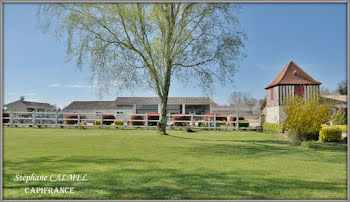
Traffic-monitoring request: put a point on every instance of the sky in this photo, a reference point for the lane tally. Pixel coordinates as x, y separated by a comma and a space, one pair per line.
312, 35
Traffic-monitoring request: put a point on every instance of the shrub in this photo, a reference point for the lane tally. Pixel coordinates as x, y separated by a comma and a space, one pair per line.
73, 116
107, 116
30, 125
97, 122
330, 134
118, 122
340, 118
5, 114
242, 123
210, 116
305, 116
273, 127
231, 119
325, 126
180, 117
343, 128
220, 124
135, 120
152, 116
39, 126
201, 124
61, 126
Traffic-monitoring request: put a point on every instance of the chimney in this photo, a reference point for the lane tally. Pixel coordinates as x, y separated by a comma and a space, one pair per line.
22, 98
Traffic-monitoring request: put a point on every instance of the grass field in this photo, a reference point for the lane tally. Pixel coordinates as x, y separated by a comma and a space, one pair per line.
138, 164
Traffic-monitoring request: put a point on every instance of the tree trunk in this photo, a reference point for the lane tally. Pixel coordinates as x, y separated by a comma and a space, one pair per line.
166, 85
163, 118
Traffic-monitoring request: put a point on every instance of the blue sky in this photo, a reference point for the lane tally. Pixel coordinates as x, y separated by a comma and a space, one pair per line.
312, 35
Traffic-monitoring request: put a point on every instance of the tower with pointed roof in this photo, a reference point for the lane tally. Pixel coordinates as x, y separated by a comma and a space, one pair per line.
291, 81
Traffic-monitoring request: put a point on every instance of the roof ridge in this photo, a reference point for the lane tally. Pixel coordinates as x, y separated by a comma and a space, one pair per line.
284, 73
286, 76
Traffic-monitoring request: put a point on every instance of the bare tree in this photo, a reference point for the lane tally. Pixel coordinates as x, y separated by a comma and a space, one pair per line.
343, 88
242, 98
326, 91
149, 45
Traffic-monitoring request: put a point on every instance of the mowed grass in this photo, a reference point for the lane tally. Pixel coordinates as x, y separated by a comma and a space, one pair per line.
139, 164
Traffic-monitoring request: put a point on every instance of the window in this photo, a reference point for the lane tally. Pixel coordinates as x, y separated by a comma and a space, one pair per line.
174, 109
142, 109
299, 90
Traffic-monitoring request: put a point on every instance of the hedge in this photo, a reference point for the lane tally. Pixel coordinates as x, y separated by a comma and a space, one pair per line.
242, 123
210, 116
5, 114
107, 116
97, 122
118, 122
153, 116
135, 120
343, 128
330, 134
181, 117
73, 116
231, 119
273, 127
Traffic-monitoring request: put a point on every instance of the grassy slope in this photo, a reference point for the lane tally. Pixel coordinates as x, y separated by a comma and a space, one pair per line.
138, 164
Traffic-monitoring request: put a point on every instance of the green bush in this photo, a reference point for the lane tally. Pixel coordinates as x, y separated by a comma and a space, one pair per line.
343, 128
220, 124
243, 123
330, 134
340, 118
273, 127
61, 126
295, 139
118, 122
97, 122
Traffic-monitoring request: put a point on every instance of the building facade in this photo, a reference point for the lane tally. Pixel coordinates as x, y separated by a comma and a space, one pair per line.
140, 105
291, 81
22, 105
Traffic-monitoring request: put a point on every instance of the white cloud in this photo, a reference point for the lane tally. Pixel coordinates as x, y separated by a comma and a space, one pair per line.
54, 85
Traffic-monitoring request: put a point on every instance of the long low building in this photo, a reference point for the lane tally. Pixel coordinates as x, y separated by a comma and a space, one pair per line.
141, 105
22, 105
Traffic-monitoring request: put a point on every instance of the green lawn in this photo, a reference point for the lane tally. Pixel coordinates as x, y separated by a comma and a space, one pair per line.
139, 164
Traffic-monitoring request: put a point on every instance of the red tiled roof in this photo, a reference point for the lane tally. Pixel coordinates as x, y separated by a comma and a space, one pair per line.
292, 74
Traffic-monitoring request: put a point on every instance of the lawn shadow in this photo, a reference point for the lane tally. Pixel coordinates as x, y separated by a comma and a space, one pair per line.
166, 183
